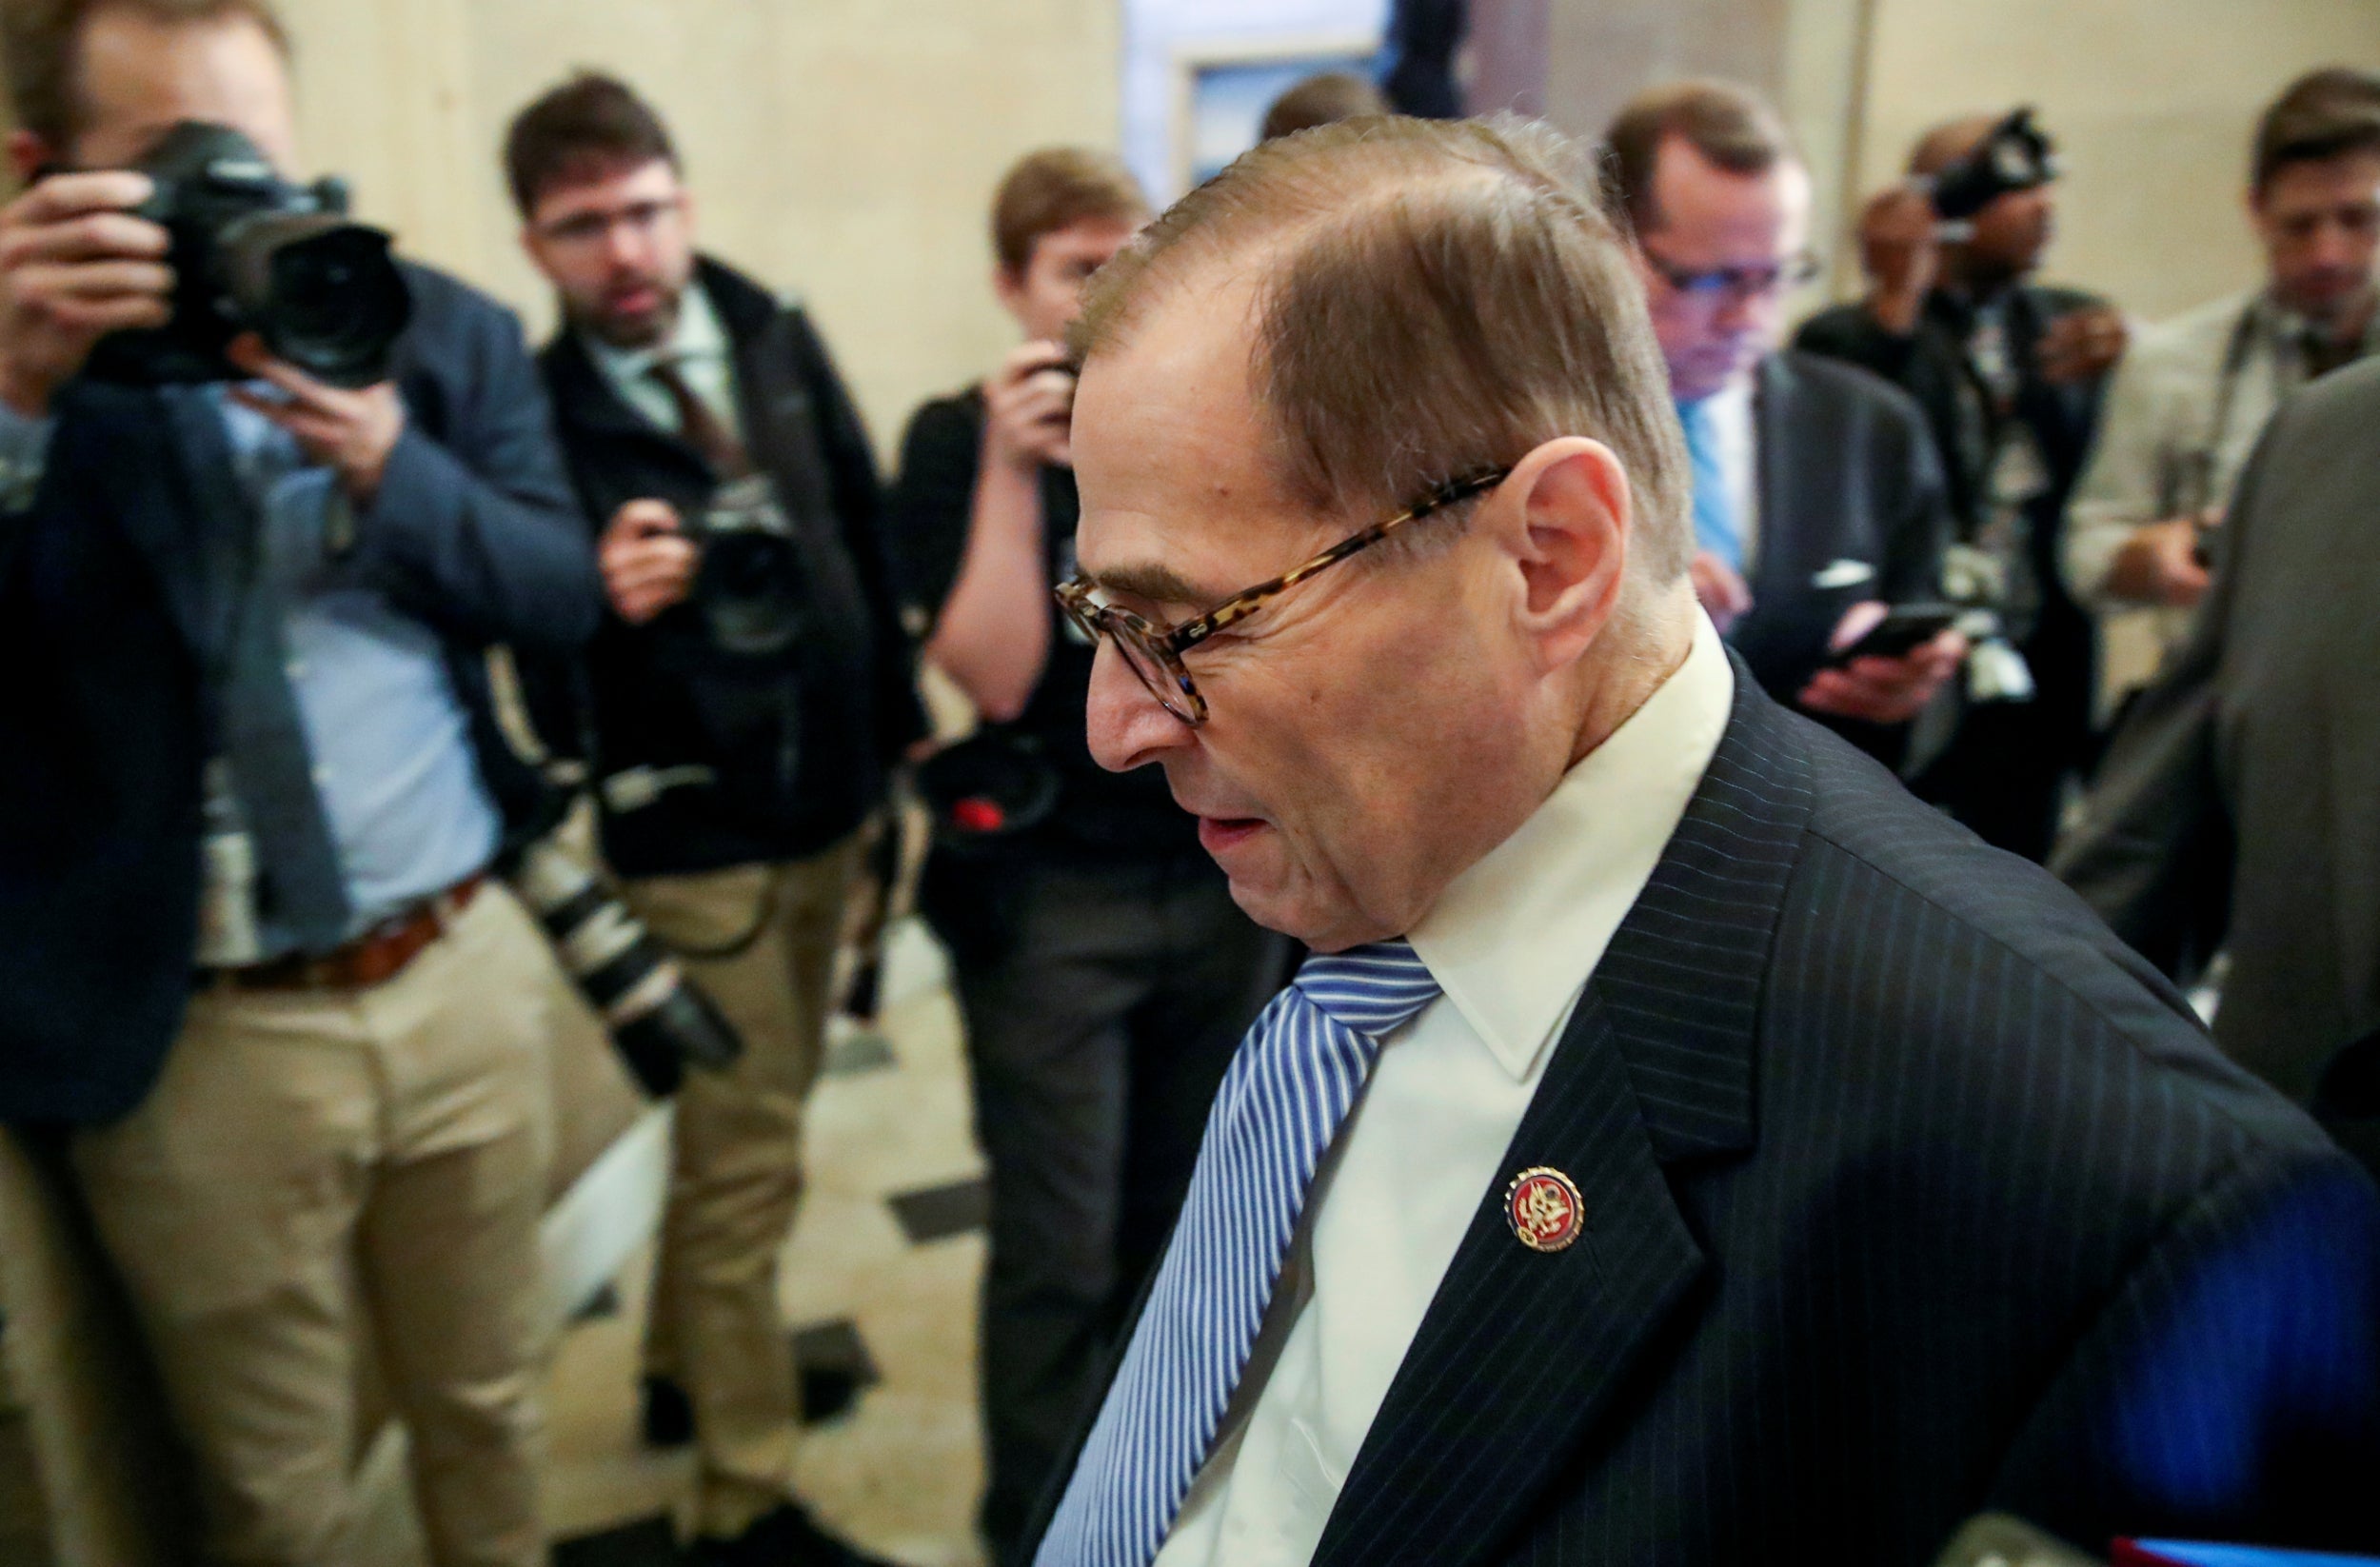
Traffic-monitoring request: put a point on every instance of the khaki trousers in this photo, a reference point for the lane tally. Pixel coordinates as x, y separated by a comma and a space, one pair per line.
316, 1171
760, 939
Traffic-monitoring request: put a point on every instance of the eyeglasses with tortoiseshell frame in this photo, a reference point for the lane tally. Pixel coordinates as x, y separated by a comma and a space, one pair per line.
1154, 652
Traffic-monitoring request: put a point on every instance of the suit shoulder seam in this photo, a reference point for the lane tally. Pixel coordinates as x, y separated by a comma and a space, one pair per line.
2108, 1023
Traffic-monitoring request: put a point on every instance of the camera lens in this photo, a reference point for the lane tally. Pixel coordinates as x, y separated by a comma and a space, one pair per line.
335, 303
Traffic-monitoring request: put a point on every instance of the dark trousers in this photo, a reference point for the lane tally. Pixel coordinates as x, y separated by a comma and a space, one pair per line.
2004, 775
1102, 1008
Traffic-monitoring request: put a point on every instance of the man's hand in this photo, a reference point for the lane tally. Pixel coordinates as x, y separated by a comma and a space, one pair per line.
1028, 409
74, 266
2159, 564
1882, 690
2083, 345
1724, 597
352, 432
1900, 254
648, 563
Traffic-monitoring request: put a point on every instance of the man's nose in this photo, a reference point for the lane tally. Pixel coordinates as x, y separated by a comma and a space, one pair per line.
1747, 313
1127, 727
624, 244
2336, 246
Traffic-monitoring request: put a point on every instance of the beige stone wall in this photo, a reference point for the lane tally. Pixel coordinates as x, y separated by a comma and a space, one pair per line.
2151, 101
842, 149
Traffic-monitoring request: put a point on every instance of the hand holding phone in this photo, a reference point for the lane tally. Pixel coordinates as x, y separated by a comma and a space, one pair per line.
1887, 670
1900, 631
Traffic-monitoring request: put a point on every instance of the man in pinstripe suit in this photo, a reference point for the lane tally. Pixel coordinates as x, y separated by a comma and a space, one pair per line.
1684, 1147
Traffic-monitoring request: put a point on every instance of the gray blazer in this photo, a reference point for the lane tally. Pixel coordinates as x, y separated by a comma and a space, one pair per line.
2239, 802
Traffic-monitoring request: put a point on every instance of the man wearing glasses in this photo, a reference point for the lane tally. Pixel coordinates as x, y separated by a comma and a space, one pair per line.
1682, 1146
1099, 963
1817, 501
750, 691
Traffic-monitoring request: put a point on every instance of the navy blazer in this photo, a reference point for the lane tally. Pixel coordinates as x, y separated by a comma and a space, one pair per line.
107, 614
1909, 1191
1848, 482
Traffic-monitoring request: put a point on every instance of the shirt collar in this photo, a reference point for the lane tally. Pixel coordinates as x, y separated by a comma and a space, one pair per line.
1513, 940
1733, 400
1736, 392
698, 335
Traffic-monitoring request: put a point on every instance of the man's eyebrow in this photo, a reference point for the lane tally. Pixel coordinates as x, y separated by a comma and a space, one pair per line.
1152, 584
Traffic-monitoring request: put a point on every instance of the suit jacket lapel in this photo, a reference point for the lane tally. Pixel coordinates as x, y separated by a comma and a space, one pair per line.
165, 461
585, 400
1522, 1354
1769, 458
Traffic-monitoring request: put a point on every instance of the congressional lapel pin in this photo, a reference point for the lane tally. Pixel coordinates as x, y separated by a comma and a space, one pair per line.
1544, 1209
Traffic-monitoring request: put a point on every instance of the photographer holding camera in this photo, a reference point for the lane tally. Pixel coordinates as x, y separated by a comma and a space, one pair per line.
1104, 972
253, 783
751, 691
2008, 373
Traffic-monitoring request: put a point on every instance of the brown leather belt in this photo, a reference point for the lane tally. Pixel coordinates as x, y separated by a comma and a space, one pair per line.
373, 958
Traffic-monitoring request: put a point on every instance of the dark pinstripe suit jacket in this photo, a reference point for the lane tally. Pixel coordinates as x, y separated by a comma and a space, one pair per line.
1909, 1192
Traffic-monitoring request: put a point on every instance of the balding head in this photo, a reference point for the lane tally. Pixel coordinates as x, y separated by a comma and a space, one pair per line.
1375, 675
1948, 142
1436, 298
2008, 236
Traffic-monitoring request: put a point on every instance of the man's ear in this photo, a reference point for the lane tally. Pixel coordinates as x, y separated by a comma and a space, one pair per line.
28, 154
1568, 514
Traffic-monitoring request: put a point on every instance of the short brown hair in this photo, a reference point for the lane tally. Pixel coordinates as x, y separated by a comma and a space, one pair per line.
1439, 299
1325, 98
2322, 116
588, 127
41, 51
1732, 126
1058, 187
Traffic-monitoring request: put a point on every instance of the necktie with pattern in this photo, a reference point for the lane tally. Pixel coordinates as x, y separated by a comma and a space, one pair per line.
1298, 1073
260, 730
702, 429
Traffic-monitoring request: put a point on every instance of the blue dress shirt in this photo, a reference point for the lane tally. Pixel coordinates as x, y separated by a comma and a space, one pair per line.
390, 739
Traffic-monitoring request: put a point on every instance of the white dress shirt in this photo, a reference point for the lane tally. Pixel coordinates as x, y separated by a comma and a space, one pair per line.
1512, 941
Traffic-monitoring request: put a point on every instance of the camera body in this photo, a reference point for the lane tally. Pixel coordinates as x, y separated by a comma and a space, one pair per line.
2017, 155
253, 252
750, 587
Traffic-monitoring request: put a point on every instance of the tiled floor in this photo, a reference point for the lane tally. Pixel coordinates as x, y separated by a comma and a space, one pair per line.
881, 1276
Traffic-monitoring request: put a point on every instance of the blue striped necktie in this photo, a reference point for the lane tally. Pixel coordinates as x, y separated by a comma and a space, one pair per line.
1297, 1075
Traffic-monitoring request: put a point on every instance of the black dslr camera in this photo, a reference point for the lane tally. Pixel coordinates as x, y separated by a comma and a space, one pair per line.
750, 587
2017, 155
254, 253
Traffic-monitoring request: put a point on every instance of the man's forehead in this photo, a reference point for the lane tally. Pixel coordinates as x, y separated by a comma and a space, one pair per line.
1698, 202
1171, 455
2354, 175
1172, 402
599, 183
